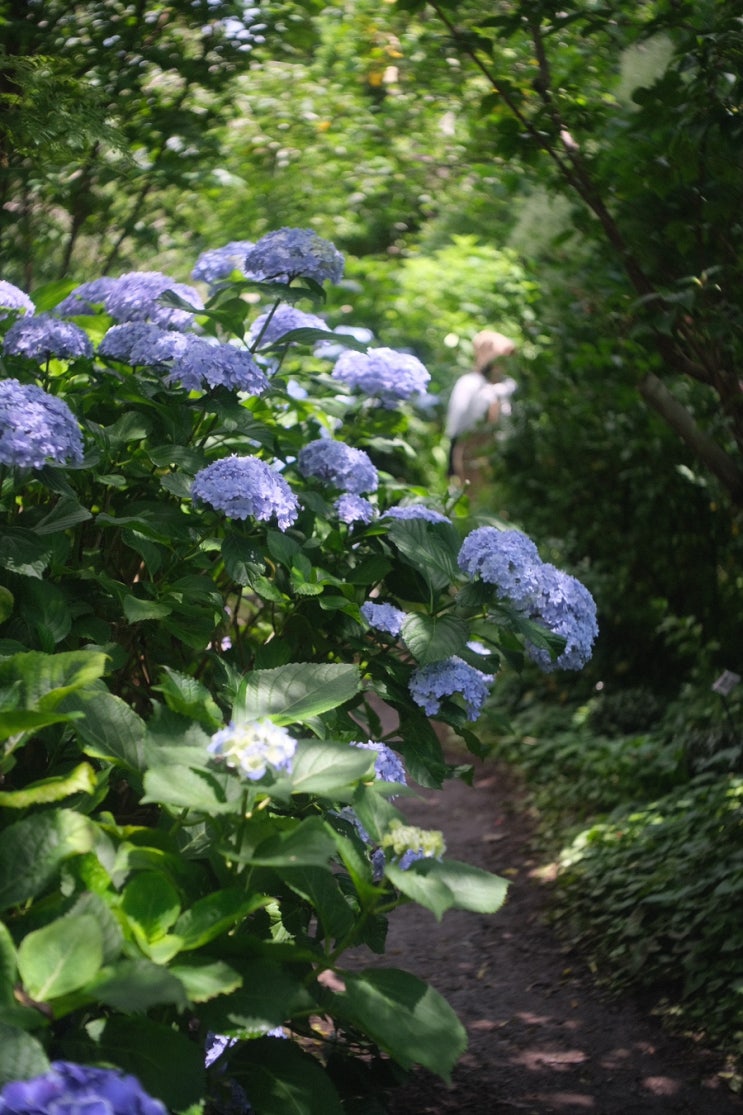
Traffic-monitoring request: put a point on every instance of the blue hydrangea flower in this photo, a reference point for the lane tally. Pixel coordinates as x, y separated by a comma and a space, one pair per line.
507, 559
142, 344
244, 487
219, 263
253, 747
13, 298
415, 511
36, 428
385, 617
134, 297
72, 1089
338, 464
388, 766
202, 365
44, 337
408, 843
88, 298
429, 684
283, 319
565, 607
354, 509
288, 253
382, 373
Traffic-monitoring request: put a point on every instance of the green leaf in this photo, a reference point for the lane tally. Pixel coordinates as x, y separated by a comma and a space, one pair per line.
190, 698
81, 780
269, 995
66, 513
242, 560
204, 791
282, 1080
22, 552
327, 768
110, 729
422, 888
320, 888
298, 691
33, 850
214, 915
45, 679
61, 957
431, 638
134, 986
137, 610
167, 1064
151, 903
7, 603
21, 1056
430, 548
406, 1017
308, 843
473, 889
205, 980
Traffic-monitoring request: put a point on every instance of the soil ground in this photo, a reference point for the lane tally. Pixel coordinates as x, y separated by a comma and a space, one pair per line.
544, 1038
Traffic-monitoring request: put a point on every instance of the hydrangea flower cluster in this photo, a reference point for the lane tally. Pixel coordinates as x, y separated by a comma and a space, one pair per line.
71, 1089
86, 298
219, 263
244, 487
202, 365
354, 509
43, 337
388, 766
429, 685
270, 327
36, 428
140, 343
384, 617
415, 511
507, 559
408, 843
13, 298
287, 253
510, 561
135, 297
254, 746
338, 464
565, 607
382, 372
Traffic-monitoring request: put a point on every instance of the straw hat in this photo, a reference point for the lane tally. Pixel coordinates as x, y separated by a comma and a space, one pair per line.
490, 346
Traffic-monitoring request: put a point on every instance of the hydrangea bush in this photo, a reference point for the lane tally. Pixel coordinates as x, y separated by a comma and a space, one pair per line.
225, 621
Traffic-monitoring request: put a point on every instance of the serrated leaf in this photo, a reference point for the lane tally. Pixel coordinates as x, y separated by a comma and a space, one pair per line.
33, 850
326, 768
282, 1080
81, 780
110, 729
431, 638
430, 548
298, 691
60, 957
204, 791
190, 698
151, 903
66, 513
213, 915
406, 1017
22, 1057
269, 995
137, 610
22, 552
306, 843
205, 980
134, 986
168, 1065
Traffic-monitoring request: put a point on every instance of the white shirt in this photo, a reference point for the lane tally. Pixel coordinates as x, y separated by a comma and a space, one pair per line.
469, 402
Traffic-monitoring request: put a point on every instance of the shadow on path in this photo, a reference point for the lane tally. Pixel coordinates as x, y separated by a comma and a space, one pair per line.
542, 1037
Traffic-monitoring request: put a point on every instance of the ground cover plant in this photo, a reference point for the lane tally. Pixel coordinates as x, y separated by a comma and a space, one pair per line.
212, 574
639, 800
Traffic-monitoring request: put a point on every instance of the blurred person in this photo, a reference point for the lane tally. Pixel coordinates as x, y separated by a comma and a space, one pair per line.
478, 398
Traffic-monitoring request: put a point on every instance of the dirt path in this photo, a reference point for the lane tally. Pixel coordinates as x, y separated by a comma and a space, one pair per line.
543, 1039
